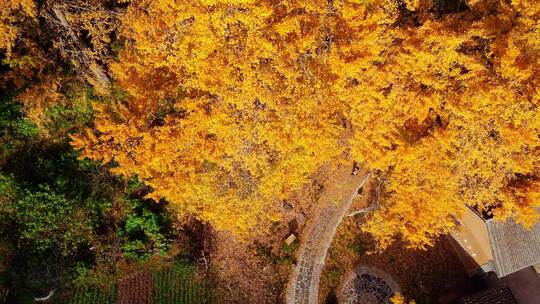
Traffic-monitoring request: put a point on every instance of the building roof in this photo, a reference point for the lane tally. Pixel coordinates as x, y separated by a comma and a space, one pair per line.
498, 295
513, 247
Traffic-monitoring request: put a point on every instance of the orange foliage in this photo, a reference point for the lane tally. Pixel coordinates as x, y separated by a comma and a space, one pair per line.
483, 145
12, 12
38, 98
231, 104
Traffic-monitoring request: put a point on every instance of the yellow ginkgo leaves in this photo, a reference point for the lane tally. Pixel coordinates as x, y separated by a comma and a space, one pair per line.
232, 105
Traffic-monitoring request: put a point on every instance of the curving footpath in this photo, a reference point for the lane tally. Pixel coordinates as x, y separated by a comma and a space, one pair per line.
337, 198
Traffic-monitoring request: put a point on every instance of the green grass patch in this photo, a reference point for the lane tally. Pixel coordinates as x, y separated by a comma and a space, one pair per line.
178, 284
94, 296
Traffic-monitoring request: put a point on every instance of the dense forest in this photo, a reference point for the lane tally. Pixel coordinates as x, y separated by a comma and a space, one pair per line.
131, 129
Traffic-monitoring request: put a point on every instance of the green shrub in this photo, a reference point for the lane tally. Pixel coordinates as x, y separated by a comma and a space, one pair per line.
73, 116
288, 253
15, 130
143, 231
8, 194
53, 205
48, 220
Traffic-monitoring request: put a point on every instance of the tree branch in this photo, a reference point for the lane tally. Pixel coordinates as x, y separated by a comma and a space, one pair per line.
377, 203
94, 68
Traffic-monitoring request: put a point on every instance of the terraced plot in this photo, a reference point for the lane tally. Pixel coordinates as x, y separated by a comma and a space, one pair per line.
173, 285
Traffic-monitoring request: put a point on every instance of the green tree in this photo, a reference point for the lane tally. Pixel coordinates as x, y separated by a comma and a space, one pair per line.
48, 220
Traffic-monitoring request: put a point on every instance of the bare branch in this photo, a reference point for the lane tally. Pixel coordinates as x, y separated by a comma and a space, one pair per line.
85, 54
377, 202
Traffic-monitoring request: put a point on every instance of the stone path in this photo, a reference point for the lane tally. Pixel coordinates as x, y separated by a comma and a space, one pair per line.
339, 193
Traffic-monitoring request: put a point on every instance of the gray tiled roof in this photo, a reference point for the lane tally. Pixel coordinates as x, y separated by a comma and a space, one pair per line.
500, 295
513, 246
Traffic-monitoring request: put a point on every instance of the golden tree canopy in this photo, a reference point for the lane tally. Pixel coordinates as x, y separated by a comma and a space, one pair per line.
228, 106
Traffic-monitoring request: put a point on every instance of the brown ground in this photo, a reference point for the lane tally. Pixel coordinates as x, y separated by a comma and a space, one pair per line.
257, 271
244, 275
135, 289
433, 275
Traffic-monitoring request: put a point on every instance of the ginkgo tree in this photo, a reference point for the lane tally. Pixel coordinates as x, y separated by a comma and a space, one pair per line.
227, 106
223, 114
12, 14
460, 90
